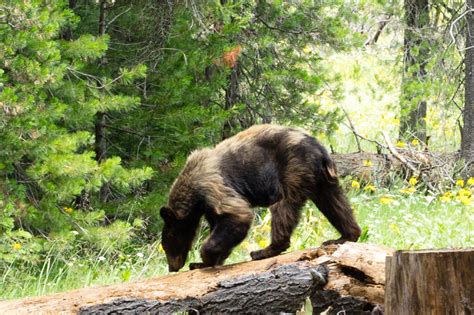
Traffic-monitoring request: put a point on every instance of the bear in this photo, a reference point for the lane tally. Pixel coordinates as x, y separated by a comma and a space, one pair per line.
263, 166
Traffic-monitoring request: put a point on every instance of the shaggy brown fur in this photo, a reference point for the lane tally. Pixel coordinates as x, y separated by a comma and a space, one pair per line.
265, 165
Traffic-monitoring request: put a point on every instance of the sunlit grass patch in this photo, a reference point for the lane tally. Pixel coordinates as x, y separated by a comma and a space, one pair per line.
416, 221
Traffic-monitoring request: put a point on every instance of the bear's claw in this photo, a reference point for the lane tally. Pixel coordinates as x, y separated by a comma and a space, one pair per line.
193, 266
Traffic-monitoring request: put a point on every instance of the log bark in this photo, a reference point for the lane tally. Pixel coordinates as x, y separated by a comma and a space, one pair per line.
430, 282
348, 277
355, 164
284, 288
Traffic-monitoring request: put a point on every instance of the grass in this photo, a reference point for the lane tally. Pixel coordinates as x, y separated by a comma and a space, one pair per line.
399, 220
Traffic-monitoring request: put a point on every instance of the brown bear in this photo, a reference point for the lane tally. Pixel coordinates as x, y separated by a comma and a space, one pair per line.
265, 166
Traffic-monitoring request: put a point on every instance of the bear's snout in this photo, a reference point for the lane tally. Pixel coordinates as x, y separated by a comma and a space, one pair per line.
175, 263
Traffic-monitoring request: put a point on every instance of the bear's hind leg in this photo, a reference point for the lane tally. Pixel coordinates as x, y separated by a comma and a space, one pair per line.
285, 216
332, 202
229, 230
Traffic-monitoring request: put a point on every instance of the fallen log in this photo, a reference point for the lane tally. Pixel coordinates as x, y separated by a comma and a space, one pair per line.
348, 277
365, 164
435, 168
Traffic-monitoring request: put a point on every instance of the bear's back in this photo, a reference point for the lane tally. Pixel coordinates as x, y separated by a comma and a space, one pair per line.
261, 135
254, 162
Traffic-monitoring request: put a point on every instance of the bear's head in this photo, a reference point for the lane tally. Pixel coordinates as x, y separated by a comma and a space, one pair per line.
177, 237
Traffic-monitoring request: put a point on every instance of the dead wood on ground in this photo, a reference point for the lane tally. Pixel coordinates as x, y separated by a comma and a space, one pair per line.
348, 277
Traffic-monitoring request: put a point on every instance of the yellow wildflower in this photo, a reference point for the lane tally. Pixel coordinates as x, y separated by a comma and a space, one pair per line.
445, 198
68, 210
355, 184
367, 163
370, 188
465, 200
460, 183
266, 228
470, 181
16, 246
160, 248
464, 192
386, 200
263, 243
307, 50
415, 142
413, 181
408, 190
401, 144
245, 245
448, 194
394, 228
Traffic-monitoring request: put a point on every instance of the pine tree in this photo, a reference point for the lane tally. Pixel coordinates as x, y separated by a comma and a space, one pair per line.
48, 101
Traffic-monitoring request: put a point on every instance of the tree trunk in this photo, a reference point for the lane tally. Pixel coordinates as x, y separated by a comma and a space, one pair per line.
351, 275
231, 98
100, 141
66, 33
416, 51
231, 94
430, 282
467, 139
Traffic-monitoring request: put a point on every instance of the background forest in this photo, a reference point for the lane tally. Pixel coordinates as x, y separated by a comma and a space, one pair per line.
101, 102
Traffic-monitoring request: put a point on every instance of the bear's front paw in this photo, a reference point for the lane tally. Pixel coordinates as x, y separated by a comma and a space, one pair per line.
193, 266
259, 254
332, 242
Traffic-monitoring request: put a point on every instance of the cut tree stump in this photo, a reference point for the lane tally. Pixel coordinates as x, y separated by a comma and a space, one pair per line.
430, 282
349, 277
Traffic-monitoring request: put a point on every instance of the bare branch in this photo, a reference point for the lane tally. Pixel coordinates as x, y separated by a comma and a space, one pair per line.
398, 155
453, 26
356, 136
381, 26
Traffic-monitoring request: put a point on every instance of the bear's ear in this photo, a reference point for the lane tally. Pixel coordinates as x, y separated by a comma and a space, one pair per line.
167, 214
